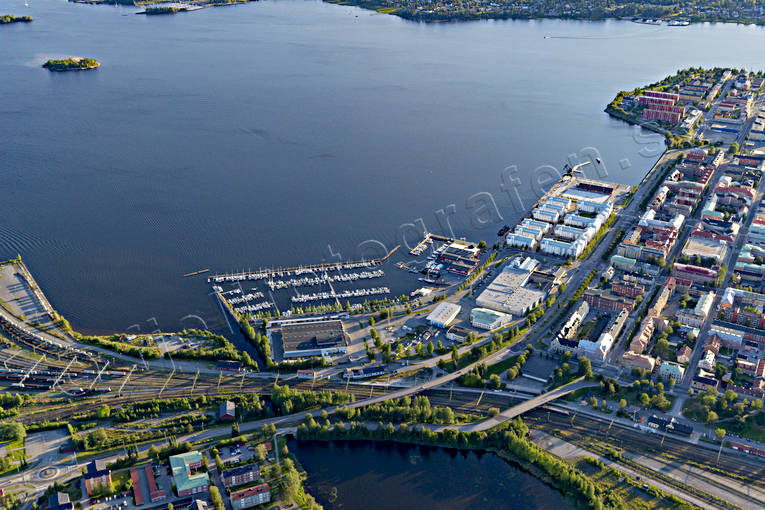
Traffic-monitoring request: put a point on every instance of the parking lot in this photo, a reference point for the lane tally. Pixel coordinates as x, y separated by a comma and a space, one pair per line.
237, 453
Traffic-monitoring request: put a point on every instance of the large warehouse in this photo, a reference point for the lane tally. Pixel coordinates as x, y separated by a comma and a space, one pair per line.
301, 338
508, 294
443, 314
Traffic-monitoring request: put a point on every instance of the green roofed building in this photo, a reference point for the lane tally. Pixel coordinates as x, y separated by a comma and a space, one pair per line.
187, 483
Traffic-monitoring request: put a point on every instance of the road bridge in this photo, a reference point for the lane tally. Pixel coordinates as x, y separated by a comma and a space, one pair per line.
519, 409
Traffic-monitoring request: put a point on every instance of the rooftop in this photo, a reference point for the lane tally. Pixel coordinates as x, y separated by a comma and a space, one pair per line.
486, 316
96, 468
241, 470
180, 467
444, 312
705, 247
249, 491
313, 335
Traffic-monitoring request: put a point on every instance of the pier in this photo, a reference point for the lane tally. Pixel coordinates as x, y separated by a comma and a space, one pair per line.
428, 239
569, 173
299, 270
194, 273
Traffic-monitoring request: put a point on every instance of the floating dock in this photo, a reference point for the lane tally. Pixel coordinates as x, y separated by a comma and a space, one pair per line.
194, 273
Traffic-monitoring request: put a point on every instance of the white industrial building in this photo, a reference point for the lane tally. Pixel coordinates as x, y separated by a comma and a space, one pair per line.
507, 294
443, 314
484, 318
521, 241
525, 264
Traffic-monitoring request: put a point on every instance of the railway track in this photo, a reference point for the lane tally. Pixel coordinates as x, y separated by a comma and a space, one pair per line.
586, 432
32, 341
145, 386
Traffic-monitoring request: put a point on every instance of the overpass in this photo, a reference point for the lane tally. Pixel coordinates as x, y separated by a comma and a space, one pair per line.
519, 409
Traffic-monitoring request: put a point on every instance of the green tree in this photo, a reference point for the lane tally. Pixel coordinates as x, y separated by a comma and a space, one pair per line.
12, 431
585, 368
662, 348
430, 348
215, 497
622, 404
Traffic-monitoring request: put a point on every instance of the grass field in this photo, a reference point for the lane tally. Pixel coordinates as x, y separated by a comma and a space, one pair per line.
15, 450
753, 428
501, 367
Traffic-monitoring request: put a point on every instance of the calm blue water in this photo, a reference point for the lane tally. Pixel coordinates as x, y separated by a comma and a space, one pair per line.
273, 132
393, 476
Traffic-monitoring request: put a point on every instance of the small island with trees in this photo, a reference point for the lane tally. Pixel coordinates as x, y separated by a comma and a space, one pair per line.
71, 64
152, 11
7, 19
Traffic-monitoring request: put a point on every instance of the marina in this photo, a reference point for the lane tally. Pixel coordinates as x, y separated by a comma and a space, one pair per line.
325, 278
263, 274
245, 298
427, 240
254, 308
321, 296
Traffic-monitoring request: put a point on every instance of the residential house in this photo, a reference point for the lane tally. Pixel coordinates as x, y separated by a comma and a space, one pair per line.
250, 497
684, 355
241, 475
96, 475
